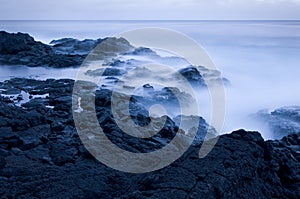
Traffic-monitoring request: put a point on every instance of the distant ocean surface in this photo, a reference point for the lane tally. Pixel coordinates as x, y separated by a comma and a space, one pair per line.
260, 58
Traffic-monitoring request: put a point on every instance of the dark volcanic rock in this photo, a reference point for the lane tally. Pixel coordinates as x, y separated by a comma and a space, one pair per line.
73, 46
42, 156
202, 126
142, 51
193, 76
12, 44
22, 49
107, 72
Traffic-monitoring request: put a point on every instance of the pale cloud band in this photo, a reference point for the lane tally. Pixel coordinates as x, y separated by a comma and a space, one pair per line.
149, 9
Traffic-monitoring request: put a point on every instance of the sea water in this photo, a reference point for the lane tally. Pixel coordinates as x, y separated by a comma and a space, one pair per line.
260, 58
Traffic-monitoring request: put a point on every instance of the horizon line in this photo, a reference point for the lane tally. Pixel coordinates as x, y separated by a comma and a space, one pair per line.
149, 19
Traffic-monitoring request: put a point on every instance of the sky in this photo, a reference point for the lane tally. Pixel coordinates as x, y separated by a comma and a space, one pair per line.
149, 9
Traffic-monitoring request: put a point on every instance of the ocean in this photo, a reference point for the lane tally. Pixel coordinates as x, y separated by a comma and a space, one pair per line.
260, 58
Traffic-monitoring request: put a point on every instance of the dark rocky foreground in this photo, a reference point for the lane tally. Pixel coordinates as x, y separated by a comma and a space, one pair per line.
41, 155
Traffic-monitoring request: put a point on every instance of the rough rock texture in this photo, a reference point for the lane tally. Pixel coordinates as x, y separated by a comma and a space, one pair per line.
22, 49
282, 121
193, 76
74, 46
41, 156
142, 51
199, 123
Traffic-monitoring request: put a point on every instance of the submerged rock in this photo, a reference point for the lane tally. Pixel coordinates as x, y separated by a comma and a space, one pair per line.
106, 72
281, 122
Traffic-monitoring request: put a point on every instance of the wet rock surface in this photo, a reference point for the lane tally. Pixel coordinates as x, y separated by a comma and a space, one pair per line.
42, 156
22, 49
74, 46
193, 76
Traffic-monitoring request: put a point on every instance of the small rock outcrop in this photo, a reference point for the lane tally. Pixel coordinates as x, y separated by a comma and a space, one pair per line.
193, 76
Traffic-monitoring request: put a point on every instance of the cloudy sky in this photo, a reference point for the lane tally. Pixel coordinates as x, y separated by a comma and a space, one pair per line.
149, 9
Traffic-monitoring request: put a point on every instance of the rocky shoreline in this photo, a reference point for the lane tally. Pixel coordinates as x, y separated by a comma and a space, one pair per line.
43, 157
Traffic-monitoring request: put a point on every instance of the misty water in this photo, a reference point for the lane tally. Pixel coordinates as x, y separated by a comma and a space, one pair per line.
260, 58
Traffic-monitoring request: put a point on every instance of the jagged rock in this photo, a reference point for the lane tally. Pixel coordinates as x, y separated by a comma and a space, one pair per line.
49, 160
142, 51
61, 153
12, 44
73, 46
148, 86
193, 76
202, 127
106, 72
116, 62
22, 49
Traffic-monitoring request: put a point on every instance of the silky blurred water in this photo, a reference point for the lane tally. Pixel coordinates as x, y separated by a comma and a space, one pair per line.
260, 58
